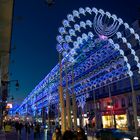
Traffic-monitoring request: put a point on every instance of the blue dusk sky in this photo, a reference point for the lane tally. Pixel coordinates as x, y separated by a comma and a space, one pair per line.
34, 31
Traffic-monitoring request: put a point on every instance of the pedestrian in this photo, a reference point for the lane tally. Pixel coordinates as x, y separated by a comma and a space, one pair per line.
57, 134
17, 126
28, 128
26, 125
81, 134
68, 135
20, 127
37, 130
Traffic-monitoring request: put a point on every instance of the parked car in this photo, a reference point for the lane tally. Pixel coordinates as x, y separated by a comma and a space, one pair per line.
113, 134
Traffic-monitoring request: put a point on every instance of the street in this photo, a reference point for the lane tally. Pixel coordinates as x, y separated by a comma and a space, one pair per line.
25, 136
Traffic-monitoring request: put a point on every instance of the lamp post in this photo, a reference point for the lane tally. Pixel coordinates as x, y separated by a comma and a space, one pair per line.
4, 95
4, 85
134, 103
12, 99
8, 82
95, 111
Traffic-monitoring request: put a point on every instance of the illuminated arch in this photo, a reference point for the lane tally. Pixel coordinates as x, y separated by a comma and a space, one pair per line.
69, 39
66, 37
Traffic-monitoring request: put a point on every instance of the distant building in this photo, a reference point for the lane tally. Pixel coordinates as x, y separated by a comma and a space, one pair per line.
119, 107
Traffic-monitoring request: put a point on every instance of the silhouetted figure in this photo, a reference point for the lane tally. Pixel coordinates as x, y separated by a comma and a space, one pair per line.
4, 124
20, 126
57, 134
27, 128
26, 125
17, 126
37, 130
81, 134
68, 135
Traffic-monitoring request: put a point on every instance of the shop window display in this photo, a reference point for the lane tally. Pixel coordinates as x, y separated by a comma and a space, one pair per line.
121, 121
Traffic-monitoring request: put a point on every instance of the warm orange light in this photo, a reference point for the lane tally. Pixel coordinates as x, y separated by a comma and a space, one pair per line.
9, 105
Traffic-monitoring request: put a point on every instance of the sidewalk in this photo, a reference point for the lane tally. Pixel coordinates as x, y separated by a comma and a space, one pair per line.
9, 135
2, 135
91, 138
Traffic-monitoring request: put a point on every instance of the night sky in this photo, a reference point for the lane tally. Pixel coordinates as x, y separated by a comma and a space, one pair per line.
35, 27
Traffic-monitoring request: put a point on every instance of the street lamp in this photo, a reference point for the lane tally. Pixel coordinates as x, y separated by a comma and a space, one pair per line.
134, 104
8, 82
4, 95
4, 89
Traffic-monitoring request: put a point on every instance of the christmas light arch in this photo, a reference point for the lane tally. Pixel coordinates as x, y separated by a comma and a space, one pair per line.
71, 39
99, 28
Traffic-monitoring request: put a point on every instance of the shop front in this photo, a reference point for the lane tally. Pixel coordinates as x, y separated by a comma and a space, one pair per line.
115, 118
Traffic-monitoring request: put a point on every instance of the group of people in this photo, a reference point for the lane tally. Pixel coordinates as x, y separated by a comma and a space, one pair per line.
69, 134
28, 127
19, 126
36, 129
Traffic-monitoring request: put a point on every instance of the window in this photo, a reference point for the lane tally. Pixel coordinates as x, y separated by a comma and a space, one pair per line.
123, 102
129, 101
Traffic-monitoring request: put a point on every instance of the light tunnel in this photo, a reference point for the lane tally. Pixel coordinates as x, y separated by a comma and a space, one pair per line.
97, 49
